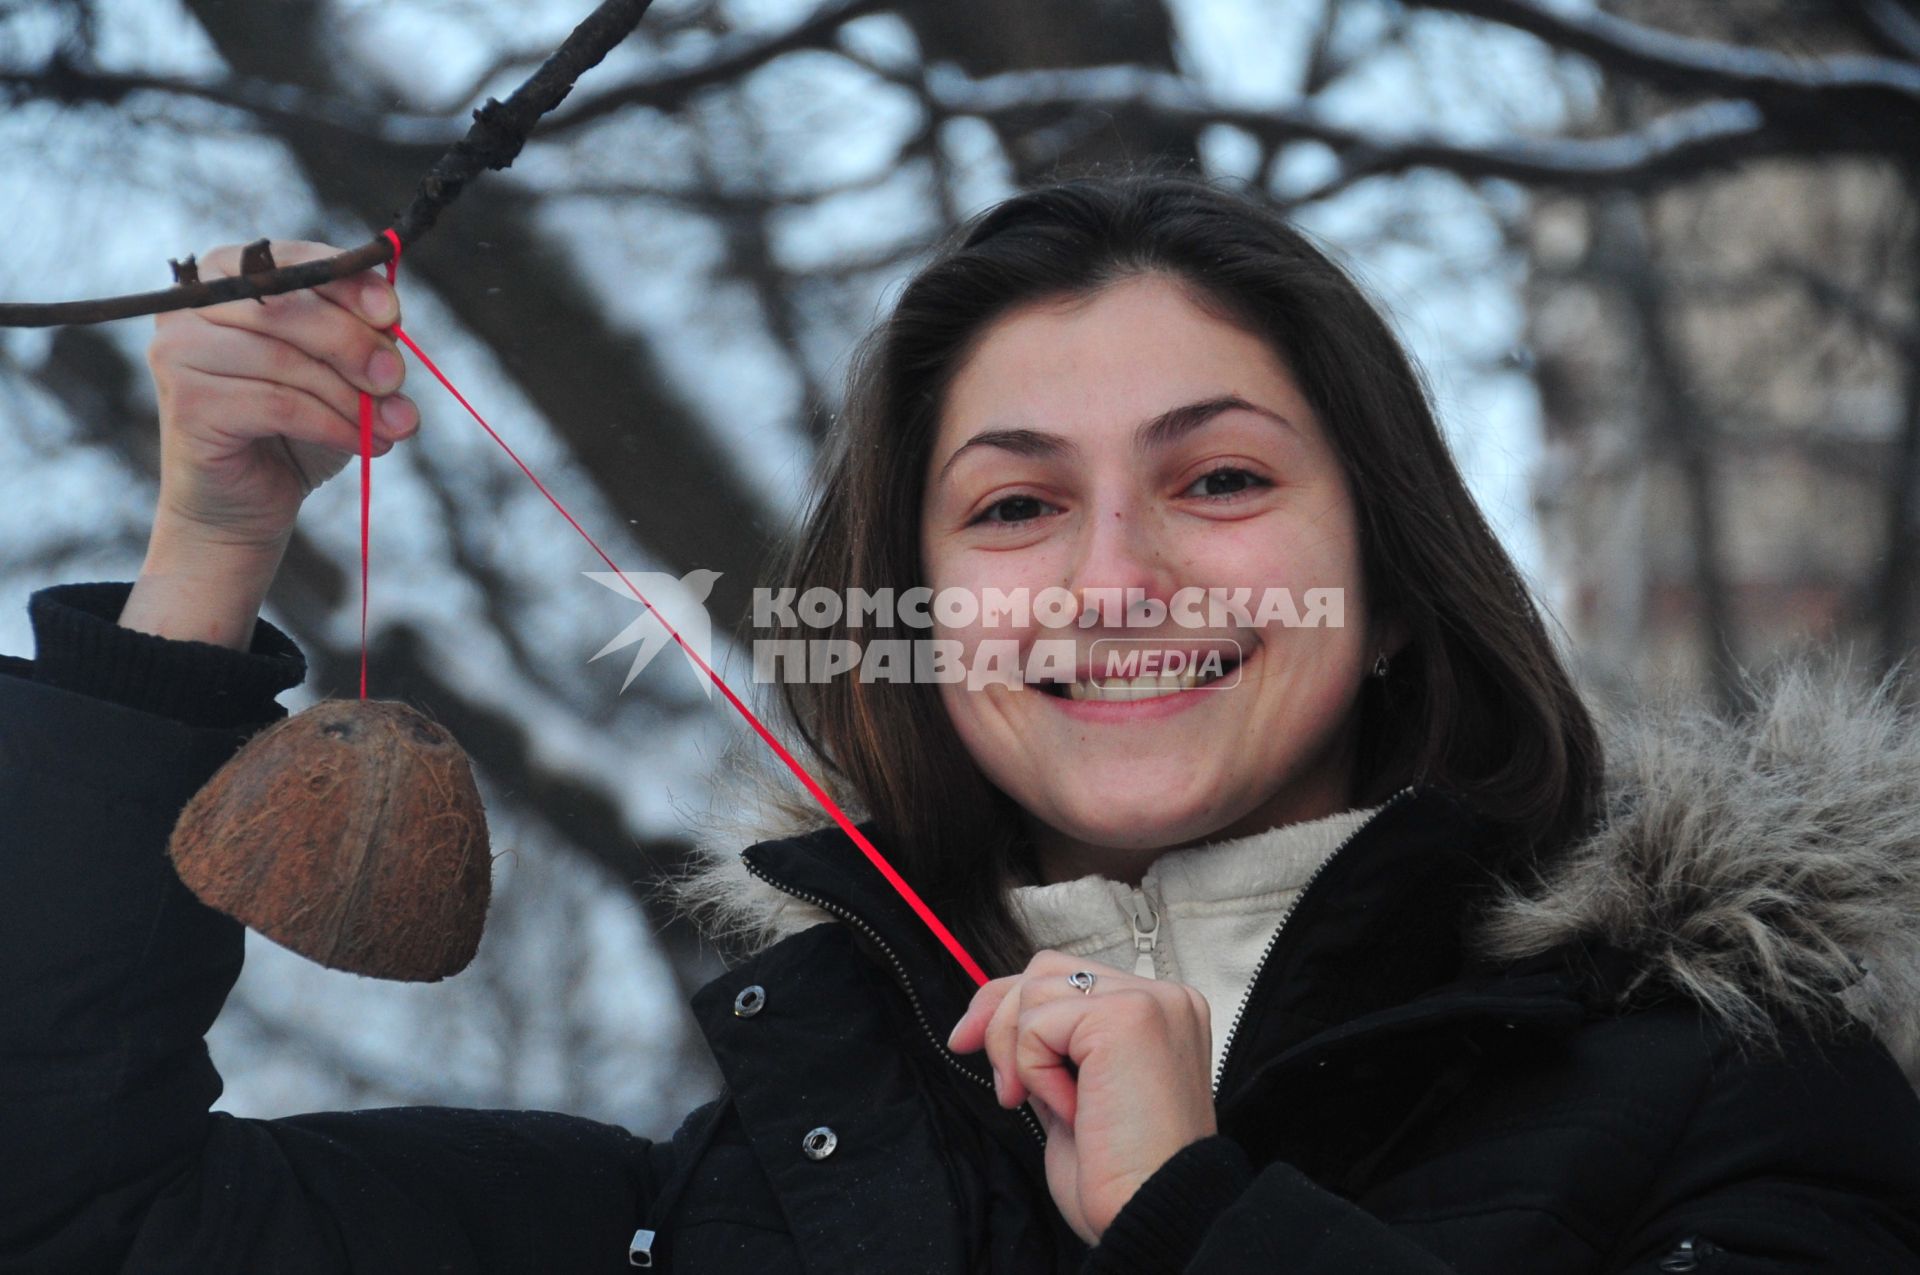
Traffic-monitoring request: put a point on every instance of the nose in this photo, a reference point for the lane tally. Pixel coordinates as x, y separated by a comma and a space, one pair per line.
1120, 557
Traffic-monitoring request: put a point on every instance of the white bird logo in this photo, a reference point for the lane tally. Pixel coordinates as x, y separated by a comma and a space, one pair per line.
680, 602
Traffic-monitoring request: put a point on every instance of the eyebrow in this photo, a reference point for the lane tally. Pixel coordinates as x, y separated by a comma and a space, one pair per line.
1163, 430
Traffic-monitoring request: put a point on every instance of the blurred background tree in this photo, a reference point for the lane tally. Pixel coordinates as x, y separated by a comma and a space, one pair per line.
1658, 259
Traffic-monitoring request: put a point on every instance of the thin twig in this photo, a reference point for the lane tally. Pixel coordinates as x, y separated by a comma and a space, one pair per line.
1689, 64
499, 130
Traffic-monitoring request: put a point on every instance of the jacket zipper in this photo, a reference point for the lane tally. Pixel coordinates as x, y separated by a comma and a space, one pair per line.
1273, 941
1146, 934
1027, 1117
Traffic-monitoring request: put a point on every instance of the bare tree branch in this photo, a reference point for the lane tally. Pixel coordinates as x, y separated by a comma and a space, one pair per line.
1838, 84
1675, 148
70, 82
1892, 28
732, 58
190, 296
704, 198
1902, 334
498, 133
65, 80
1680, 145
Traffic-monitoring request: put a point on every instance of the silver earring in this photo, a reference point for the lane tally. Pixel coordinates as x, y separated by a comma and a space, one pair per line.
1380, 665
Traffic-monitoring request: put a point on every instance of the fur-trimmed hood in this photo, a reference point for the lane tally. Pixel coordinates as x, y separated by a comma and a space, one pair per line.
1766, 866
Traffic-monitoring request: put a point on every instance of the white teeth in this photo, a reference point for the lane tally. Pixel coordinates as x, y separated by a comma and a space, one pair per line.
1131, 688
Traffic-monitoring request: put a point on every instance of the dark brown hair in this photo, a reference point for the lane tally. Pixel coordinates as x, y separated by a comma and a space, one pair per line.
1477, 700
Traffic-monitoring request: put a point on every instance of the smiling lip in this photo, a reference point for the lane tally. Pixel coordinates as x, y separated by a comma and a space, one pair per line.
1229, 649
1125, 710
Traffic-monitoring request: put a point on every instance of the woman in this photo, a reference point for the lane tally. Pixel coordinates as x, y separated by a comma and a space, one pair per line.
1333, 958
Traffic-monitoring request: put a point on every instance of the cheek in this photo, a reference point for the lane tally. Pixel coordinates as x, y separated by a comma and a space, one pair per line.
991, 737
960, 625
1319, 642
1311, 560
977, 577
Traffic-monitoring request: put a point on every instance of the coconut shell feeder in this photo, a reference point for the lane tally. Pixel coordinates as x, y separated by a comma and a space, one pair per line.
351, 833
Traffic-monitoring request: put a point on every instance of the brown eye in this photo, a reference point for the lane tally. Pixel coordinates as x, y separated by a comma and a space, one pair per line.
1013, 509
1228, 480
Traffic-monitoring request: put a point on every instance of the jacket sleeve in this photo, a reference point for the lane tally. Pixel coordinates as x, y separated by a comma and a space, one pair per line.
1800, 1159
114, 972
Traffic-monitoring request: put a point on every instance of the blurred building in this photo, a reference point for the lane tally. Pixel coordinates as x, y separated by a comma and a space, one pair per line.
1728, 380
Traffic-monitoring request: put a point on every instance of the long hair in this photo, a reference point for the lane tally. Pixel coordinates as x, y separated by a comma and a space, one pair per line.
1477, 701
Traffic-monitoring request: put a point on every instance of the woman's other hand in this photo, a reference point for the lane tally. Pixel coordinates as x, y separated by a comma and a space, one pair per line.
1120, 1076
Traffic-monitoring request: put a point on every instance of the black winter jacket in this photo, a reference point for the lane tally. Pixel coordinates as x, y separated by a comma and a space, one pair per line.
1390, 1103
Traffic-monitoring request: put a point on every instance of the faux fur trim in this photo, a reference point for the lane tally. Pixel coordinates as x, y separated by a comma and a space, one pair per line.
1768, 867
735, 910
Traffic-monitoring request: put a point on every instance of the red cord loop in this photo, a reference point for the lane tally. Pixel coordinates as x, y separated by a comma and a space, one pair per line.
366, 474
819, 794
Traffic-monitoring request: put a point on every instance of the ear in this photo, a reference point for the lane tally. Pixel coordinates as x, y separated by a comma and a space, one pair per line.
1388, 634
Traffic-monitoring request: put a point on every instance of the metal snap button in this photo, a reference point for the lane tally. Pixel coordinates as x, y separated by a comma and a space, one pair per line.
819, 1143
1686, 1255
750, 1001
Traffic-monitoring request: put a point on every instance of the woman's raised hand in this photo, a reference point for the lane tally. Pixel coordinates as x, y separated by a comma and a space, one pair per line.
1120, 1075
259, 404
259, 400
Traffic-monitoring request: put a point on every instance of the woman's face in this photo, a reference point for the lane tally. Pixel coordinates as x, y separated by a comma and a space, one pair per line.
1133, 441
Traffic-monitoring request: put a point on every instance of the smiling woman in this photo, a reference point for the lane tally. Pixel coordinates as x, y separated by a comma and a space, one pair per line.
1152, 385
1320, 946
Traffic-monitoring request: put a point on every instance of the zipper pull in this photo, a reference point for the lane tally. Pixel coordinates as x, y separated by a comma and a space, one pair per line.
1146, 933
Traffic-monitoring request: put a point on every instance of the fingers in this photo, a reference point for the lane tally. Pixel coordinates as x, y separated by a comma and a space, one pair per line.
1044, 983
969, 1034
1037, 1028
337, 324
263, 408
235, 353
1040, 1041
993, 1020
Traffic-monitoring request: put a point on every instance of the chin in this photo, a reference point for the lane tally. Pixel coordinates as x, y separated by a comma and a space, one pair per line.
1135, 817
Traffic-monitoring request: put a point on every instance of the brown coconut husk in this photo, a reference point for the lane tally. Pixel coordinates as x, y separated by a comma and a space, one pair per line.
351, 833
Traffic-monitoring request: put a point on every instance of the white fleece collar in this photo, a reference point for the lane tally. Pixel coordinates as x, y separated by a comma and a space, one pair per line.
1216, 906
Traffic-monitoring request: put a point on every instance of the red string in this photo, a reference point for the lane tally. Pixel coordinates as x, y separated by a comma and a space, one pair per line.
366, 477
839, 816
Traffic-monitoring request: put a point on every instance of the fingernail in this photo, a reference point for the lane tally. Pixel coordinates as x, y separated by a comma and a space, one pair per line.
996, 1082
397, 414
377, 302
384, 369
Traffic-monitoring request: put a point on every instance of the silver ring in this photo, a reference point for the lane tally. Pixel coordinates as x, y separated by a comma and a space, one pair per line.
1082, 980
